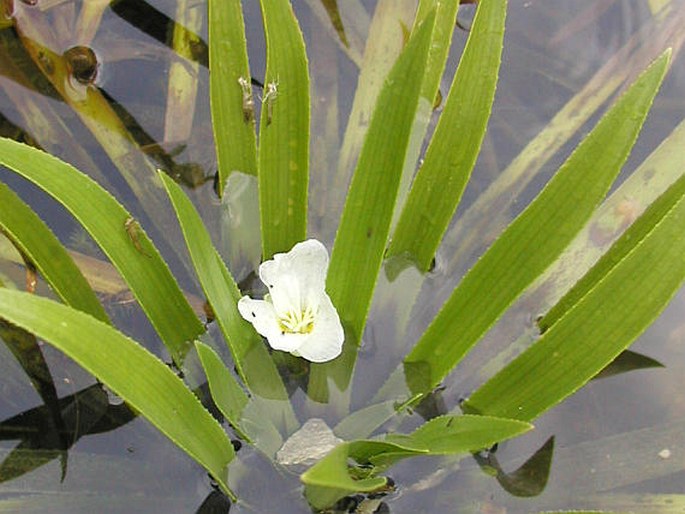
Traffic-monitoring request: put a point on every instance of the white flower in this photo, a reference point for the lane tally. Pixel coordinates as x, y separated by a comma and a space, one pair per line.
297, 315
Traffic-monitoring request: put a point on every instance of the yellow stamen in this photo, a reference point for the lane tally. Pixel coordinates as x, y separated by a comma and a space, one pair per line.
297, 321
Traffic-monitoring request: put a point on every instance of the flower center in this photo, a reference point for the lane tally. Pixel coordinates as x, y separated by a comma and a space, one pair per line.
297, 321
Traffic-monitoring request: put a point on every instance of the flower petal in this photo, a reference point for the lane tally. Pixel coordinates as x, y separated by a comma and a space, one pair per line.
325, 341
262, 315
286, 342
296, 279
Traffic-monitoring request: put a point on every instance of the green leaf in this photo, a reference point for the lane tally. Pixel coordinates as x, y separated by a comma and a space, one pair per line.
535, 238
120, 237
638, 279
445, 18
453, 150
250, 355
37, 242
492, 210
251, 417
386, 40
230, 91
153, 390
330, 479
363, 232
283, 132
621, 208
627, 243
222, 293
226, 392
447, 435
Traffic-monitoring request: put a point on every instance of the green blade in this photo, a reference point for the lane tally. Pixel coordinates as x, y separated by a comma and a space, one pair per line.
251, 418
633, 236
452, 153
283, 132
152, 389
535, 238
249, 353
37, 242
447, 435
627, 290
445, 18
230, 91
119, 236
363, 232
226, 392
387, 37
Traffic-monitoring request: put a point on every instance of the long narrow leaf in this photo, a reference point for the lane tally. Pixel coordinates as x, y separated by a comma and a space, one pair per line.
385, 42
152, 388
183, 80
445, 18
623, 246
37, 242
227, 394
537, 237
120, 237
492, 210
615, 215
247, 348
252, 418
363, 232
283, 132
617, 301
230, 91
447, 166
627, 202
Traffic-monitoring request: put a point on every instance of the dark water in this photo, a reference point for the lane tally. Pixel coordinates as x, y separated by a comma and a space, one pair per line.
618, 443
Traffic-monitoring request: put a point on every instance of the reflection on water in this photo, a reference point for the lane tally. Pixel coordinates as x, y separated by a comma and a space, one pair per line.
617, 443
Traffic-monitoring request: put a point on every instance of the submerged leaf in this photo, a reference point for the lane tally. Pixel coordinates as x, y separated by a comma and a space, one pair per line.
227, 394
534, 239
632, 285
455, 145
628, 361
331, 7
